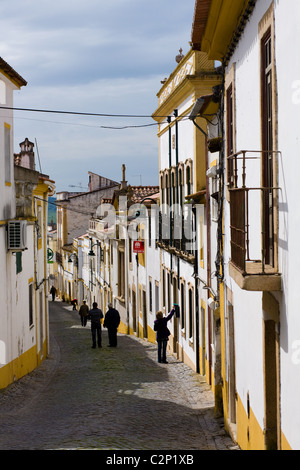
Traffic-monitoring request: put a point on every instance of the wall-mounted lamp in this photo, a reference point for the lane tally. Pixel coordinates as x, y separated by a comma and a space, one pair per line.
212, 172
91, 253
211, 303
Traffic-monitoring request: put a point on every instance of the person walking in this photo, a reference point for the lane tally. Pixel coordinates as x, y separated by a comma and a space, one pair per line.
53, 293
96, 315
111, 322
83, 313
162, 335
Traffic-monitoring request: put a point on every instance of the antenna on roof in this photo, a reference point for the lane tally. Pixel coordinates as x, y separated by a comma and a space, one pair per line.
37, 150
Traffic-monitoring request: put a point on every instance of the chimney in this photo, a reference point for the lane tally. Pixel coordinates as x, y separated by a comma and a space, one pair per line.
26, 157
123, 182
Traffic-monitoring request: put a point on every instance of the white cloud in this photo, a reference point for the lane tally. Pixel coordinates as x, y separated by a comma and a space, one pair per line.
95, 56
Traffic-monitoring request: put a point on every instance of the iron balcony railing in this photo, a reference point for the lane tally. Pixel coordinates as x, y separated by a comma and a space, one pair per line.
176, 231
252, 213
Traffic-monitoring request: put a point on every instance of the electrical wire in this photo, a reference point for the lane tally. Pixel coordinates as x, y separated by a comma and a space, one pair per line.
76, 113
87, 125
78, 211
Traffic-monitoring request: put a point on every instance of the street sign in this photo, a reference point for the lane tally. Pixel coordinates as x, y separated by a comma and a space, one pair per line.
138, 247
50, 256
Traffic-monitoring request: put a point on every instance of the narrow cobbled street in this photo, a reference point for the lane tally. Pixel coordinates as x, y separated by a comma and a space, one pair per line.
108, 398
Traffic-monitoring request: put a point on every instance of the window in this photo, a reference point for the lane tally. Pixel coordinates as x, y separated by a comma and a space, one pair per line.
173, 180
214, 202
267, 144
130, 250
191, 314
180, 177
188, 180
150, 295
18, 262
162, 189
169, 291
111, 255
164, 287
7, 153
229, 133
156, 296
182, 306
30, 288
2, 92
149, 227
121, 274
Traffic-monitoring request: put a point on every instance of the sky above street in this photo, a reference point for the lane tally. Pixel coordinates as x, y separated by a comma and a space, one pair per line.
96, 56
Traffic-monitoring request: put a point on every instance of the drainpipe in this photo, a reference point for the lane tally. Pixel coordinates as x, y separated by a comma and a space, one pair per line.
208, 235
170, 193
170, 164
177, 152
196, 293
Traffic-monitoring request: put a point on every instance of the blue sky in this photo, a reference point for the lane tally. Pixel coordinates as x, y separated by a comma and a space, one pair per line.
95, 56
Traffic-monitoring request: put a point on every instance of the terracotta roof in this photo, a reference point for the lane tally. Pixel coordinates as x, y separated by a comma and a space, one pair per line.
138, 193
11, 73
199, 22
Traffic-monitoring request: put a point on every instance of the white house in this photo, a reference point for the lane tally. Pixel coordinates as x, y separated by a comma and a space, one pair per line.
24, 332
186, 274
254, 40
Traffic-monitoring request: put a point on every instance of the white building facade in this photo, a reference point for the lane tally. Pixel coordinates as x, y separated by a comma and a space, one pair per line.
260, 321
24, 332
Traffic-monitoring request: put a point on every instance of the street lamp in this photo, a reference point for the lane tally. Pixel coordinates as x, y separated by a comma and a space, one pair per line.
91, 253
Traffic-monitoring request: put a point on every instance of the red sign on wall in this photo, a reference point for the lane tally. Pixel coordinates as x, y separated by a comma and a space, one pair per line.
138, 247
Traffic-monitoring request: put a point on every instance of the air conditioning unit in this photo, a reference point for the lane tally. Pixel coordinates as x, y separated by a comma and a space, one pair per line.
17, 235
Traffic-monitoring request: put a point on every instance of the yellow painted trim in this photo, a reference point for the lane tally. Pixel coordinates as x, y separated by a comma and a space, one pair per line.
13, 81
19, 367
250, 436
221, 24
284, 443
151, 335
199, 164
123, 328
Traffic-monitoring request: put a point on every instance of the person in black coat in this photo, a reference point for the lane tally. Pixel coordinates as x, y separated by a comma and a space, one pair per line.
111, 322
95, 315
162, 335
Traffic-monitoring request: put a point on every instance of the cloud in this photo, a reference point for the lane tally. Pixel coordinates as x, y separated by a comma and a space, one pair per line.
95, 56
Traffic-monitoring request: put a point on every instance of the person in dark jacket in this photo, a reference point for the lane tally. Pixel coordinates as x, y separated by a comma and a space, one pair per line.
53, 292
95, 315
162, 335
111, 322
83, 313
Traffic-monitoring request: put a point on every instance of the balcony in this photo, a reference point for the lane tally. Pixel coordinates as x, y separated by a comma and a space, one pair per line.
175, 235
253, 222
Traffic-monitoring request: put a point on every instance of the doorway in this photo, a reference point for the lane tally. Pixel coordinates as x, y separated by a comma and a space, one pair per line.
271, 379
231, 366
134, 322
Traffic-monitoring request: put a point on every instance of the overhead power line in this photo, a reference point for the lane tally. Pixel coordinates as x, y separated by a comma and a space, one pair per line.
77, 113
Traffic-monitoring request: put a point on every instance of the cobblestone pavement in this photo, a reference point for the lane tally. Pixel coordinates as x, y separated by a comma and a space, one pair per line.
108, 398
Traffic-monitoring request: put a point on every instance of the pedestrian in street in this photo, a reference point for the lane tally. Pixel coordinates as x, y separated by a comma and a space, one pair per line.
96, 315
111, 322
162, 335
53, 293
83, 313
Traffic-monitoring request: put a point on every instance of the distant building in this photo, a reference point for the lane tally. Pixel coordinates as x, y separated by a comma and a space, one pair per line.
74, 211
24, 331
